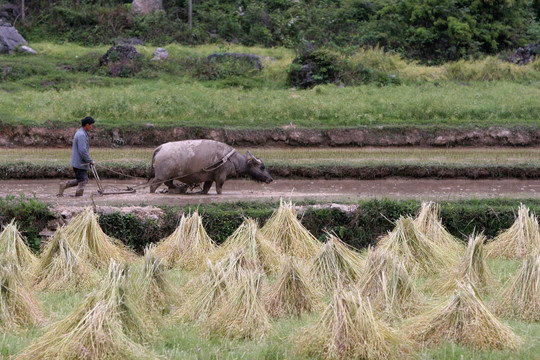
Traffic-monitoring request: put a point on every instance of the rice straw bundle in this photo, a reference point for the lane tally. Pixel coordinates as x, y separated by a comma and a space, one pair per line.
520, 240
284, 229
429, 223
419, 254
13, 247
348, 329
206, 293
254, 244
91, 244
188, 245
464, 320
96, 329
472, 268
61, 268
388, 286
243, 314
153, 287
291, 293
19, 306
521, 299
335, 264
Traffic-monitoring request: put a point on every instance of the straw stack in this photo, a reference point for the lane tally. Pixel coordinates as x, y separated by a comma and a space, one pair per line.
521, 299
205, 293
13, 247
429, 223
335, 264
254, 244
521, 240
418, 253
291, 293
242, 315
91, 244
472, 268
348, 329
465, 320
60, 268
284, 229
388, 286
96, 329
19, 306
153, 287
188, 246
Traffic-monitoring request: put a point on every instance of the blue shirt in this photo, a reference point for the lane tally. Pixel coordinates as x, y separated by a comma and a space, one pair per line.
80, 158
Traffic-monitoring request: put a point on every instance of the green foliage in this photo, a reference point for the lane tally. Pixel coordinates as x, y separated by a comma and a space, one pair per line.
30, 214
430, 30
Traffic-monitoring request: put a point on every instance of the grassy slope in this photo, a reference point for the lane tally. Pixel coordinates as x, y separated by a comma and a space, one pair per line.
451, 95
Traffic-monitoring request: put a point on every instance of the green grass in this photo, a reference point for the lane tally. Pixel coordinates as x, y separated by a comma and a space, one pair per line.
187, 341
53, 88
351, 157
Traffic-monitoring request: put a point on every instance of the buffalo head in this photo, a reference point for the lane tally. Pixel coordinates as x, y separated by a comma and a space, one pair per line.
256, 169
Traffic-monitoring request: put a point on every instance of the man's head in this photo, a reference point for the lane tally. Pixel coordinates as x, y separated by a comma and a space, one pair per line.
87, 123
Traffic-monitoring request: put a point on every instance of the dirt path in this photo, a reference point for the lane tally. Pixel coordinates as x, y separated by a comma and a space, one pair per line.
319, 190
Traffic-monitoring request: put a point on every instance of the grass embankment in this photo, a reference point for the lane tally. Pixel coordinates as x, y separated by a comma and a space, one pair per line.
64, 84
36, 163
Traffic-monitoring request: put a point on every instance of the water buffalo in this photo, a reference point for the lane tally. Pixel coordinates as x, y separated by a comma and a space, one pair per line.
202, 161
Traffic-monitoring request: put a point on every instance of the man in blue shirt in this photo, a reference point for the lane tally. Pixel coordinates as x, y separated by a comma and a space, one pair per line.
80, 158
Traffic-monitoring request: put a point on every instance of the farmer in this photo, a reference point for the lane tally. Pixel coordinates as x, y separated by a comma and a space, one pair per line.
80, 158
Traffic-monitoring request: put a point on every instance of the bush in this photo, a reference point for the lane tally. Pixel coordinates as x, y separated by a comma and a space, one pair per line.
30, 214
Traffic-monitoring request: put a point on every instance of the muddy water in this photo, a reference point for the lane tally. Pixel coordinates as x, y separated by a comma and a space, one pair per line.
318, 190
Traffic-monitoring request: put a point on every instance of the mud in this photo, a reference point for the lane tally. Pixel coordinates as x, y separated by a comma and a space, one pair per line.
54, 136
341, 191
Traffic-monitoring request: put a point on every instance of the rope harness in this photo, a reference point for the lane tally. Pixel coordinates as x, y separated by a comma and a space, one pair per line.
132, 189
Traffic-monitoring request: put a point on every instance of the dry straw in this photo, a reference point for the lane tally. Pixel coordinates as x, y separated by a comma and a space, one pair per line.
60, 268
416, 250
97, 329
429, 223
387, 284
472, 268
91, 244
335, 264
465, 320
206, 293
13, 247
348, 329
242, 315
291, 294
19, 306
284, 229
153, 288
521, 298
255, 245
188, 246
522, 239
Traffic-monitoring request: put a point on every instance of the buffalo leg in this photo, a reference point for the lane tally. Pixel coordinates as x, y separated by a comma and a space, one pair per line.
207, 186
219, 186
154, 184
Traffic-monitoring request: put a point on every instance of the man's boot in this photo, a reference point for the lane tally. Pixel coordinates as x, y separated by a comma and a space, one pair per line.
63, 186
80, 188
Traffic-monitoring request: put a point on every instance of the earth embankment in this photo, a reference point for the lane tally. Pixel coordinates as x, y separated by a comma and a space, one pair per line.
51, 136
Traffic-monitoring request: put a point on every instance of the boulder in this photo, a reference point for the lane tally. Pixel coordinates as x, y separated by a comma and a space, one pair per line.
119, 60
525, 55
26, 49
145, 7
255, 60
130, 41
160, 54
10, 38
